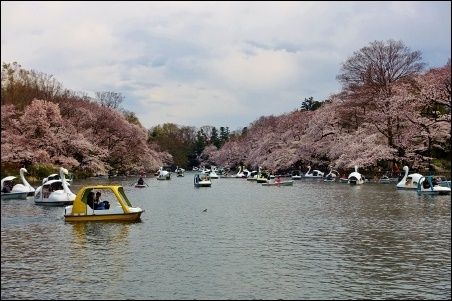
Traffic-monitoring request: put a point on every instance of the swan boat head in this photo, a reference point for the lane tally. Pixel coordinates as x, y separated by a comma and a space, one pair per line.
355, 177
409, 181
55, 192
25, 187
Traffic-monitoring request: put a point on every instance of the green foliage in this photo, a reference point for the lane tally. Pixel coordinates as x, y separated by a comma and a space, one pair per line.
35, 171
214, 139
442, 164
201, 142
179, 141
132, 118
224, 134
10, 169
41, 171
309, 104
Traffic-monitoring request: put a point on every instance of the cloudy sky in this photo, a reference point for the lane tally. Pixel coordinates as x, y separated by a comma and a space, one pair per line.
212, 63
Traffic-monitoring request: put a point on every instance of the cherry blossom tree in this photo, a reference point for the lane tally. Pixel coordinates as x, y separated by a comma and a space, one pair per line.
369, 75
103, 139
425, 108
388, 110
344, 133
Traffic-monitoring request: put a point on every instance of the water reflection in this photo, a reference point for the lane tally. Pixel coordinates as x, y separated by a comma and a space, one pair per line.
100, 252
427, 197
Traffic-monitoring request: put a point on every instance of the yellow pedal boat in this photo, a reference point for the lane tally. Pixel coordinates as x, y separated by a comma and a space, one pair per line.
120, 209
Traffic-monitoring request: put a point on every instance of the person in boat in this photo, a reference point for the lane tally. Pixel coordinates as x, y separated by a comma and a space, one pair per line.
48, 192
98, 203
6, 188
396, 170
90, 199
435, 181
140, 181
106, 205
426, 184
100, 206
278, 180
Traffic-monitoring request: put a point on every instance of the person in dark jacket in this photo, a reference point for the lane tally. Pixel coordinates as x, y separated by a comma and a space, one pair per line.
6, 188
90, 200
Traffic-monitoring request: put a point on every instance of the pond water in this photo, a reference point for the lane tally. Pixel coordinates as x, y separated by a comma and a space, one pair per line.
312, 240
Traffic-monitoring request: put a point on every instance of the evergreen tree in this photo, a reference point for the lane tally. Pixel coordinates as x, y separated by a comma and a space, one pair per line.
224, 134
214, 139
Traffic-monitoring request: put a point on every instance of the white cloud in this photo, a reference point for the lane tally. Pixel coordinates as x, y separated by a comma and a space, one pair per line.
212, 63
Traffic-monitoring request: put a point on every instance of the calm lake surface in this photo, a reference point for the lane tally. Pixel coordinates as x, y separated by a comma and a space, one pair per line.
312, 240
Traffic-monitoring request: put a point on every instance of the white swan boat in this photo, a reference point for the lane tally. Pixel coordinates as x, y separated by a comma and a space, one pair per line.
355, 178
12, 195
315, 174
240, 173
164, 174
25, 187
409, 181
180, 172
331, 176
252, 176
56, 176
213, 173
55, 192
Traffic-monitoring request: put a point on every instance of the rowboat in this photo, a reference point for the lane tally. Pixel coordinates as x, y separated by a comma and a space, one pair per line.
384, 179
343, 180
